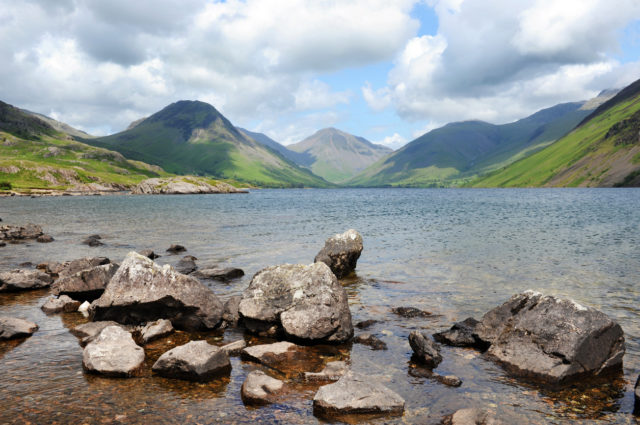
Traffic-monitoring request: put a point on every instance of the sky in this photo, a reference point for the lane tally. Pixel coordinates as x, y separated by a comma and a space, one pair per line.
386, 70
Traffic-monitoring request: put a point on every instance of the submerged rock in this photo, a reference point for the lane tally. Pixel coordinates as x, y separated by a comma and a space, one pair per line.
22, 280
187, 265
93, 240
331, 372
92, 329
285, 357
85, 285
175, 248
142, 291
222, 274
45, 239
371, 340
307, 302
61, 304
551, 339
155, 330
473, 416
410, 312
425, 350
364, 324
341, 252
259, 388
354, 393
13, 327
194, 361
461, 334
15, 233
113, 353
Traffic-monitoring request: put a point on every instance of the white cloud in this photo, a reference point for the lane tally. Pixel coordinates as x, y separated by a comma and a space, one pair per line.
394, 141
377, 100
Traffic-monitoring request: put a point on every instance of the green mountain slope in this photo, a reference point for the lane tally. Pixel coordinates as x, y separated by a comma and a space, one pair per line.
337, 156
603, 151
191, 137
35, 155
457, 152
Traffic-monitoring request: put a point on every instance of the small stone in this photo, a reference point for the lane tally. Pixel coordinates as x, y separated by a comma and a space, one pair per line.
234, 348
84, 308
149, 254
410, 312
449, 380
366, 324
194, 361
155, 330
259, 388
332, 372
372, 341
45, 239
426, 351
64, 303
175, 248
13, 327
461, 334
93, 241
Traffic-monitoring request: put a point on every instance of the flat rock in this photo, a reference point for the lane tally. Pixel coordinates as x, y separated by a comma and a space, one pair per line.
13, 327
194, 361
551, 339
461, 334
149, 254
473, 416
62, 304
331, 372
354, 393
218, 273
307, 302
259, 388
22, 280
155, 330
341, 252
410, 312
285, 357
15, 233
92, 329
142, 291
425, 350
370, 340
234, 348
113, 353
85, 285
187, 265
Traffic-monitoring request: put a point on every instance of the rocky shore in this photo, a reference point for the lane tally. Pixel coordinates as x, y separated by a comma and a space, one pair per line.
542, 340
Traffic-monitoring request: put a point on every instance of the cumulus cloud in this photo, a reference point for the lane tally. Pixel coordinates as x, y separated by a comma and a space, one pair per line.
499, 60
394, 141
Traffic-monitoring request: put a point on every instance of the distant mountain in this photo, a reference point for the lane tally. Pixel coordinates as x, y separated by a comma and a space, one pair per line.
602, 151
298, 158
337, 156
37, 152
454, 154
192, 137
60, 126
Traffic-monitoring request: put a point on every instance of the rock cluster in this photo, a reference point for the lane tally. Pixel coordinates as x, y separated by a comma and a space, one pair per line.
16, 233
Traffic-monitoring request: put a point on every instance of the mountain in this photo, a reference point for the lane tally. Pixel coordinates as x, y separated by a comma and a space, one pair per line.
337, 156
60, 126
192, 137
298, 158
602, 151
37, 152
458, 152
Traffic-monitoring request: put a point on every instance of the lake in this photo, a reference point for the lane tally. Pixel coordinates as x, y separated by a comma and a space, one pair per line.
453, 252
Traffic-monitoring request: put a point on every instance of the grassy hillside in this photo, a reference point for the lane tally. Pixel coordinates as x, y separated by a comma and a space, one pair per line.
603, 151
456, 153
194, 138
335, 155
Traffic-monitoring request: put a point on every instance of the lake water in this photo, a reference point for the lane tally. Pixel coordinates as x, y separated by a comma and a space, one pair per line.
455, 253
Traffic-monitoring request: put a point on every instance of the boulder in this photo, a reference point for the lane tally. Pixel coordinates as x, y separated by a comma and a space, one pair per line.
13, 327
21, 280
306, 302
371, 340
69, 268
425, 350
155, 330
223, 274
331, 372
259, 388
551, 339
175, 248
231, 316
113, 353
410, 312
187, 265
354, 393
462, 334
194, 361
149, 254
473, 416
142, 291
93, 241
341, 252
45, 239
85, 285
61, 304
234, 348
14, 233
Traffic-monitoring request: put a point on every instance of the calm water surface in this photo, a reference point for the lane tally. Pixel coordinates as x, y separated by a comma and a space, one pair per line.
455, 253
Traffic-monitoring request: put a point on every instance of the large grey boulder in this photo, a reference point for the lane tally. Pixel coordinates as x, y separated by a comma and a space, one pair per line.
194, 361
21, 280
259, 388
305, 301
341, 252
142, 291
425, 350
85, 285
551, 339
113, 353
354, 393
59, 305
13, 327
